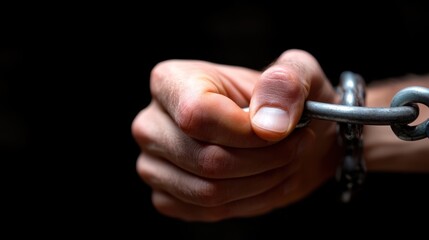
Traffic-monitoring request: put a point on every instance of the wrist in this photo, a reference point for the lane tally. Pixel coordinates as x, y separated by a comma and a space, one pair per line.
383, 150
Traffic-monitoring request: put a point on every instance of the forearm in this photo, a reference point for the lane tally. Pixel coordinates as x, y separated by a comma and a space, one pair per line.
383, 150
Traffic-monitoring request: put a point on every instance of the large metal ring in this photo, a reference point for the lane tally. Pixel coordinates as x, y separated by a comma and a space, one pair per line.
411, 96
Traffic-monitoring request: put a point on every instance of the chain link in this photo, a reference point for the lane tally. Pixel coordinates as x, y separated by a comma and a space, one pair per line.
411, 96
352, 114
351, 171
402, 111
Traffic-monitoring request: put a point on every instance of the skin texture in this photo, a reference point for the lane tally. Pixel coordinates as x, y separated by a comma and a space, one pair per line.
207, 160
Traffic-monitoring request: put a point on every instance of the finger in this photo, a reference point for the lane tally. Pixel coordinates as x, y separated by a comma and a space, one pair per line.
158, 135
278, 98
160, 174
205, 100
283, 194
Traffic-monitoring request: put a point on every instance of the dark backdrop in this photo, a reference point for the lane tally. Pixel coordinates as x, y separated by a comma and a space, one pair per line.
75, 77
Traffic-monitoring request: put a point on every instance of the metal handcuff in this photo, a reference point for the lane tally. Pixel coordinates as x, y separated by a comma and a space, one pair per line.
351, 114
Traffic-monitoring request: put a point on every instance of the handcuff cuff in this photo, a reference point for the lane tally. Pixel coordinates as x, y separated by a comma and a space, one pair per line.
352, 114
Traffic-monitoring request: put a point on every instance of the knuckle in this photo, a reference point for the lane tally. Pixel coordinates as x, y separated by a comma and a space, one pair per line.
284, 73
156, 74
143, 171
161, 207
284, 82
211, 162
188, 117
209, 193
161, 68
281, 72
161, 73
138, 128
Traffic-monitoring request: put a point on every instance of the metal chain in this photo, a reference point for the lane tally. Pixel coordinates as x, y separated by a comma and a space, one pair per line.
402, 111
411, 96
351, 115
351, 171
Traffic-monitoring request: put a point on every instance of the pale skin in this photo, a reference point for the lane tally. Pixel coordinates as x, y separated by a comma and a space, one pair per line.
208, 160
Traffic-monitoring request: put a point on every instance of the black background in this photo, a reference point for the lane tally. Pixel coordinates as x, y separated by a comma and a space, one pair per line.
74, 76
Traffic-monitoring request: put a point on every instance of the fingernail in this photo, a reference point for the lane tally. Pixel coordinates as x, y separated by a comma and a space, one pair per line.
272, 119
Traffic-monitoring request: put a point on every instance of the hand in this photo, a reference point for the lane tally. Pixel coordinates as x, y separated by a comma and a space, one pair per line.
206, 159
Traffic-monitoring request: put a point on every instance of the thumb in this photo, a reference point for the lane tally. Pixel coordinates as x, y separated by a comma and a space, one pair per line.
278, 97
